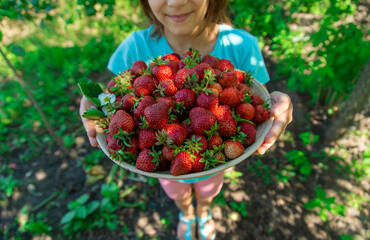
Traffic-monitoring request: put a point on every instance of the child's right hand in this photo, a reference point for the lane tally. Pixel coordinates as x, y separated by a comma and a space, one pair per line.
88, 123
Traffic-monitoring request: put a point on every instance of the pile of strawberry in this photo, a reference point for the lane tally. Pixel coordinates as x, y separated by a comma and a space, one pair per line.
183, 114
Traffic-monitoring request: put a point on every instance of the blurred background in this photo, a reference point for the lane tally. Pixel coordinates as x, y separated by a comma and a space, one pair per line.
312, 184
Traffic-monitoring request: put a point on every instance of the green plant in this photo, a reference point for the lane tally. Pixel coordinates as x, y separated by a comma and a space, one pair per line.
36, 225
261, 169
300, 161
7, 182
324, 205
308, 138
220, 199
240, 207
233, 176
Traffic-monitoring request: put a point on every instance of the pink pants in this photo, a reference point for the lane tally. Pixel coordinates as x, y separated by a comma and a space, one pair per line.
206, 188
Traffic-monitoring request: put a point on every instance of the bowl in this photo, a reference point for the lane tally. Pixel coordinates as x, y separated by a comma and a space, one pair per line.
262, 130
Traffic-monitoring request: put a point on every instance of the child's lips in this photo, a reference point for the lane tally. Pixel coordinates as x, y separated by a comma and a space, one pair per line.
179, 18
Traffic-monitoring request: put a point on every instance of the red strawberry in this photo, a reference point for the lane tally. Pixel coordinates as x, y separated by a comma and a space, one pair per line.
228, 79
112, 144
198, 165
147, 138
243, 88
245, 110
217, 72
216, 88
161, 72
215, 140
211, 60
128, 102
134, 146
138, 67
261, 114
168, 100
171, 56
177, 132
233, 149
168, 87
256, 99
144, 84
182, 164
146, 161
121, 120
250, 131
231, 97
225, 64
174, 65
187, 96
200, 68
182, 77
207, 101
143, 103
186, 124
227, 127
201, 120
201, 142
222, 111
240, 76
156, 115
167, 152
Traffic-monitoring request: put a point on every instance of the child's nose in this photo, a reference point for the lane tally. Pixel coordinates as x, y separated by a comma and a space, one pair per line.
176, 3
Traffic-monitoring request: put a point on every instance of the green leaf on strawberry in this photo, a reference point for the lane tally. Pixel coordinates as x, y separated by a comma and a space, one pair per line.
91, 91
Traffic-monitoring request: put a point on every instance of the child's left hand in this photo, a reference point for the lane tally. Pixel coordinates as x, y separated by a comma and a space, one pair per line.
282, 111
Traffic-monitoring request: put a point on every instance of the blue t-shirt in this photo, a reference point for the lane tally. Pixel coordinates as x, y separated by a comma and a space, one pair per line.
237, 45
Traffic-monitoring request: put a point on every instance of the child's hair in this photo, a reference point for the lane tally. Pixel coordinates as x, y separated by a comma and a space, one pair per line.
216, 13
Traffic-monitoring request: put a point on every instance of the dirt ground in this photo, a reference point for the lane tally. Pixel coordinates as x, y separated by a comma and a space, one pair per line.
274, 211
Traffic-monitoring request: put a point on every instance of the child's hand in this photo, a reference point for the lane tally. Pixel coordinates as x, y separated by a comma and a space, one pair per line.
88, 123
281, 110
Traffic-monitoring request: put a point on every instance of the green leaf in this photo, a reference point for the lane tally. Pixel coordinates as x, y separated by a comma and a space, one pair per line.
68, 217
83, 199
19, 51
1, 36
93, 113
81, 212
91, 91
92, 207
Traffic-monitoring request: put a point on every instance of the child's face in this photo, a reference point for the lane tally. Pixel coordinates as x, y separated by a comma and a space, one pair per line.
180, 17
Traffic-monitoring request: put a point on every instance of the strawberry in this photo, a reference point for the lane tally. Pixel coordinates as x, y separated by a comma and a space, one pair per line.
228, 79
222, 111
187, 96
186, 124
182, 164
168, 100
249, 129
217, 72
201, 120
177, 132
215, 140
200, 68
147, 138
198, 164
146, 161
171, 56
121, 120
144, 84
174, 65
161, 72
200, 142
183, 75
216, 88
207, 101
245, 110
211, 60
227, 126
261, 113
240, 76
112, 144
141, 105
167, 87
156, 115
231, 97
256, 99
225, 64
128, 102
167, 152
134, 146
243, 88
138, 67
233, 149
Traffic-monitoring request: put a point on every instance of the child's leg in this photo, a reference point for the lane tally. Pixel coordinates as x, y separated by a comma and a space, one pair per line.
205, 191
182, 195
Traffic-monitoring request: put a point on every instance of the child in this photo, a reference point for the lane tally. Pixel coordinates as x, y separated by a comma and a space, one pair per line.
176, 26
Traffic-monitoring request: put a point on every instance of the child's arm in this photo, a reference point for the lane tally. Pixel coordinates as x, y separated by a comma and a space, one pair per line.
282, 111
88, 123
